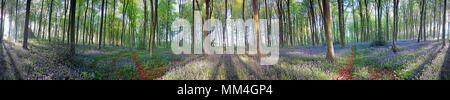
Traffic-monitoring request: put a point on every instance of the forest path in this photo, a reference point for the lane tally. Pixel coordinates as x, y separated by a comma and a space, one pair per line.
346, 73
445, 71
141, 71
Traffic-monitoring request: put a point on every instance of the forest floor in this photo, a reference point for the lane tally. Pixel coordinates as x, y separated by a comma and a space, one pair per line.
359, 61
445, 71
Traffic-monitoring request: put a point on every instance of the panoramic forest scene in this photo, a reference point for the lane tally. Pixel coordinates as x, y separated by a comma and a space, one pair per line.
224, 40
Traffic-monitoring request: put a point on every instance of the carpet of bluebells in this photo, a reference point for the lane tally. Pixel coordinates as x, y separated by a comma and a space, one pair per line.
414, 61
51, 61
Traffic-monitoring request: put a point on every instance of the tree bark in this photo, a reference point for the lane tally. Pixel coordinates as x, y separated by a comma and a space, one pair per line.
64, 24
387, 21
341, 22
145, 20
421, 30
434, 19
363, 29
243, 17
425, 22
258, 34
17, 20
113, 33
40, 19
327, 21
105, 21
84, 25
313, 23
153, 7
368, 31
123, 21
380, 12
50, 21
77, 34
281, 18
355, 23
269, 19
2, 20
394, 37
208, 12
73, 4
25, 30
167, 23
444, 16
290, 22
101, 26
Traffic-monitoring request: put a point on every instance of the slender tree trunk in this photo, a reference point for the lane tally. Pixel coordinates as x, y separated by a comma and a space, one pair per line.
421, 30
50, 21
329, 35
73, 5
145, 19
394, 37
34, 30
84, 25
290, 22
167, 23
281, 18
40, 20
243, 17
321, 23
341, 22
439, 21
11, 12
193, 20
363, 29
225, 27
410, 24
123, 22
258, 35
92, 25
56, 27
313, 23
153, 7
78, 27
269, 19
16, 22
355, 22
425, 22
380, 36
2, 20
368, 31
105, 20
206, 33
113, 29
444, 22
101, 26
434, 19
156, 24
27, 21
64, 24
387, 21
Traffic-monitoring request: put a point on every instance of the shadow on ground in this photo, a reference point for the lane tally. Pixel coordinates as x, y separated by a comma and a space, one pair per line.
445, 71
